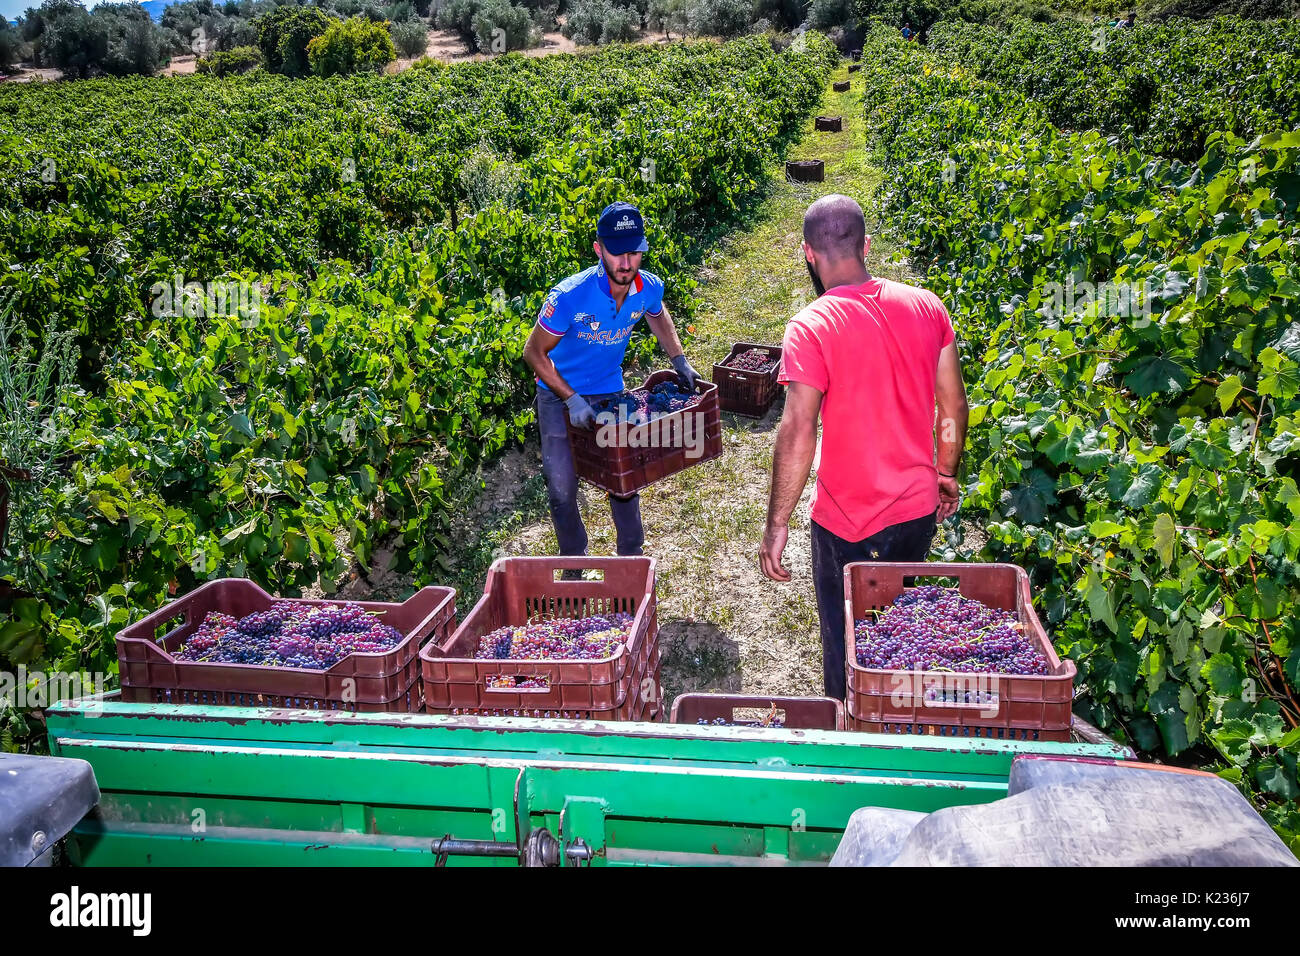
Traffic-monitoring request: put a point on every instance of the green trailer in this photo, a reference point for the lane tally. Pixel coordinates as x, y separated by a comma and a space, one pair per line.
189, 785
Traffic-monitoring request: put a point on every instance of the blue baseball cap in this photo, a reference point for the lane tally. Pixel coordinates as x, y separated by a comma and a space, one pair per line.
621, 229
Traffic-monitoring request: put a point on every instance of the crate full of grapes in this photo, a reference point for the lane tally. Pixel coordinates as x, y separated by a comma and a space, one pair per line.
965, 657
544, 643
647, 434
228, 642
746, 379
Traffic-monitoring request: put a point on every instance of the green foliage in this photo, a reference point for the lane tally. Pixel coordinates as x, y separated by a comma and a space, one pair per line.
355, 45
429, 64
1137, 452
590, 22
410, 37
499, 26
488, 178
1165, 88
1206, 9
670, 16
824, 14
35, 382
135, 44
922, 14
75, 43
283, 35
229, 62
718, 18
346, 342
10, 45
457, 15
781, 14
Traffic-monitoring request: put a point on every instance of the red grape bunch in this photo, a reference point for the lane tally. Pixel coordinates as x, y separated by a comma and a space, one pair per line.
753, 360
936, 629
638, 406
563, 638
290, 635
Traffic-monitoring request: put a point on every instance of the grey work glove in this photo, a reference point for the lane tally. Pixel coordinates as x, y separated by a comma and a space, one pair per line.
580, 411
687, 375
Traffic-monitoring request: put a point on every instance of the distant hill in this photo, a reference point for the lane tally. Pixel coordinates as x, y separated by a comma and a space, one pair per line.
156, 8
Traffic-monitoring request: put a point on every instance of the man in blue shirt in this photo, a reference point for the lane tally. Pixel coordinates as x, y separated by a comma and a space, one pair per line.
577, 350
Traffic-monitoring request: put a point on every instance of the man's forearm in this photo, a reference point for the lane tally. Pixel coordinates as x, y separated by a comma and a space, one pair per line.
665, 332
950, 436
792, 460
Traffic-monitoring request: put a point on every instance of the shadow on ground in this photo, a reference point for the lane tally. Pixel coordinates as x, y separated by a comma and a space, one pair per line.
697, 656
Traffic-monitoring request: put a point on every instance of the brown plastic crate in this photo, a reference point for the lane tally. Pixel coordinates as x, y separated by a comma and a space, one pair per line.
520, 590
887, 701
743, 392
628, 468
801, 713
634, 707
387, 681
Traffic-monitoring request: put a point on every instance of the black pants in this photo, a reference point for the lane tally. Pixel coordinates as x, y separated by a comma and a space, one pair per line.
562, 485
905, 541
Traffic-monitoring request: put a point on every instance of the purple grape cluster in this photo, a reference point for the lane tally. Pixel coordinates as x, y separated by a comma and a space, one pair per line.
723, 722
290, 635
753, 360
563, 638
936, 629
643, 405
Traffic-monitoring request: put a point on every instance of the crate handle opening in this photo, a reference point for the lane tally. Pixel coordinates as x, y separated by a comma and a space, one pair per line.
516, 684
758, 716
163, 628
599, 575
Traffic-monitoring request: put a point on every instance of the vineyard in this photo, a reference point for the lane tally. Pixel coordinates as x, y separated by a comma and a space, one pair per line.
1132, 364
300, 306
254, 326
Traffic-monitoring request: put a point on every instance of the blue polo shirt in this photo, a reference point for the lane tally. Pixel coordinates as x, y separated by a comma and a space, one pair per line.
580, 308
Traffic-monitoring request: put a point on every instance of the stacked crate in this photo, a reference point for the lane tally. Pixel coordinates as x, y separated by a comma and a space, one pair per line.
520, 591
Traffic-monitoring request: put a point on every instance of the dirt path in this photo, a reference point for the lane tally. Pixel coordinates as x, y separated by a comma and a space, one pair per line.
450, 47
723, 625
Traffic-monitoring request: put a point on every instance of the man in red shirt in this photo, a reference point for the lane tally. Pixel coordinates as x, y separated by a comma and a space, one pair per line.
877, 361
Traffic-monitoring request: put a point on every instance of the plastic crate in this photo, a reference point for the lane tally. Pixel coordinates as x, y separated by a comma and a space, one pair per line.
894, 701
743, 392
800, 713
387, 681
522, 590
635, 707
635, 463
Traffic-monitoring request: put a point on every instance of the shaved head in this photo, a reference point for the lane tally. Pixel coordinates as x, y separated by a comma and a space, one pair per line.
835, 228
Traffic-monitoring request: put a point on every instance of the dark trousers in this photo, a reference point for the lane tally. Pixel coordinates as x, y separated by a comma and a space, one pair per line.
562, 485
905, 541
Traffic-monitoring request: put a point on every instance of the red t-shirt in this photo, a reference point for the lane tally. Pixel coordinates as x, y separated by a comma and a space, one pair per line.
872, 350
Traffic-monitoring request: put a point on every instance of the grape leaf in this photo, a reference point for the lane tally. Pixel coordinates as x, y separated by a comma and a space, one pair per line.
1227, 392
1156, 374
1029, 500
1233, 740
1277, 774
1223, 676
1164, 533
